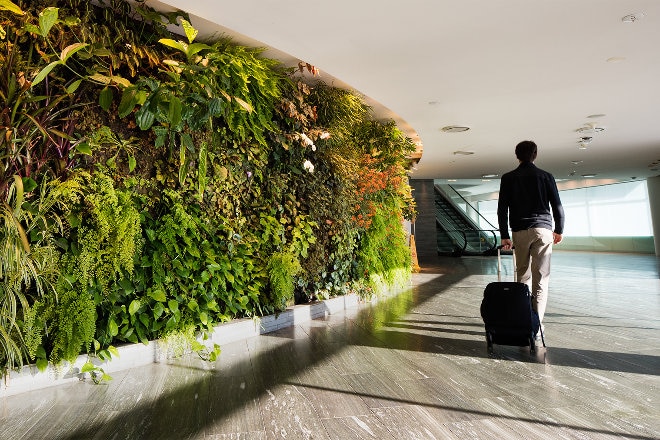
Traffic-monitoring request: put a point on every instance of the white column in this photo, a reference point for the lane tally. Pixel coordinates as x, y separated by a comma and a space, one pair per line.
653, 186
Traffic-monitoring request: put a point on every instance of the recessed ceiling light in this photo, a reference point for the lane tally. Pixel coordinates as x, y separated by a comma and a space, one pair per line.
615, 59
451, 180
590, 129
489, 176
463, 153
454, 129
631, 18
577, 162
589, 175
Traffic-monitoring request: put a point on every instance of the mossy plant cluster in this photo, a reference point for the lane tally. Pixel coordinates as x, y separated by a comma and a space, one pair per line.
155, 185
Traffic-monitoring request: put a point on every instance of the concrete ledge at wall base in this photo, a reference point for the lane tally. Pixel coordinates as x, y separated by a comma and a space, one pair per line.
29, 378
639, 245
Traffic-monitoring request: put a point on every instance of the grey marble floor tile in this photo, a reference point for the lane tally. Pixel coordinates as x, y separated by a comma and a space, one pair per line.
590, 422
377, 391
413, 422
357, 427
252, 435
233, 406
486, 429
410, 367
329, 393
288, 414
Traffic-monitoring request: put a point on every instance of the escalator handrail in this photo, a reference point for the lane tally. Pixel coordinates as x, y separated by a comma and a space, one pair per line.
465, 240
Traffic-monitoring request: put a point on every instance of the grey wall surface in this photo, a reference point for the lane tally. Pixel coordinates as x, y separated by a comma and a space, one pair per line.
424, 225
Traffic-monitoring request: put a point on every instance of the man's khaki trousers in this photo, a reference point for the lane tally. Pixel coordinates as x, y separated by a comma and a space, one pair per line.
533, 248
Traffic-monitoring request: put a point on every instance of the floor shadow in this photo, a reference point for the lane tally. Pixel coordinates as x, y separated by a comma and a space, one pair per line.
180, 401
437, 328
545, 423
558, 356
210, 398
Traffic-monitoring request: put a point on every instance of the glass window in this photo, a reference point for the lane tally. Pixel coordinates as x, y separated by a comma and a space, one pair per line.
618, 210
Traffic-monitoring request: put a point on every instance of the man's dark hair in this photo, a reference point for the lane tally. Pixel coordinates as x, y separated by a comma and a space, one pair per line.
526, 151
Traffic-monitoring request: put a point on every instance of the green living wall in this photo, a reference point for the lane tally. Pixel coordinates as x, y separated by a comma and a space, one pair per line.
156, 185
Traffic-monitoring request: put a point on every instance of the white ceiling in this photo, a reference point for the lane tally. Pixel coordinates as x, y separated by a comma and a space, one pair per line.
509, 69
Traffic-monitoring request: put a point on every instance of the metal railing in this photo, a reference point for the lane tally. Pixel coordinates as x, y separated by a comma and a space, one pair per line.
472, 240
463, 244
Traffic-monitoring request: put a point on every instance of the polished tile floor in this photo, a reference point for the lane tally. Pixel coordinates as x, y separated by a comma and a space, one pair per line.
414, 366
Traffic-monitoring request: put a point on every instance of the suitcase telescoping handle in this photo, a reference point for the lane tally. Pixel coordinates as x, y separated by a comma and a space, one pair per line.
499, 265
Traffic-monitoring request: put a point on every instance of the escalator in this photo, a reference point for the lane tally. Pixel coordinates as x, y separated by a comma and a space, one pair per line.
458, 234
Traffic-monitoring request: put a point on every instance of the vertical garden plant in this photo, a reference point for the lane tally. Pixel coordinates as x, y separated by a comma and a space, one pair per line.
202, 182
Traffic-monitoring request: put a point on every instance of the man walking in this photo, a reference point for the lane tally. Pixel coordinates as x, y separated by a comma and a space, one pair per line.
527, 195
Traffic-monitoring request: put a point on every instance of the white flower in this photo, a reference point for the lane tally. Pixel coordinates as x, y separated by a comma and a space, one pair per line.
307, 141
308, 166
325, 135
313, 147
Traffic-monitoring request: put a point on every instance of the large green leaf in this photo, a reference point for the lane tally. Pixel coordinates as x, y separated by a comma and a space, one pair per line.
190, 31
134, 307
71, 88
216, 106
179, 45
145, 117
103, 79
187, 140
196, 48
183, 164
192, 305
158, 310
113, 330
43, 73
68, 51
131, 162
42, 364
128, 101
9, 6
84, 148
158, 295
105, 98
47, 19
174, 114
203, 317
202, 169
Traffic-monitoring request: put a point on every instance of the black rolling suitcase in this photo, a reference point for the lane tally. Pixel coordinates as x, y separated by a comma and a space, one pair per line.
507, 313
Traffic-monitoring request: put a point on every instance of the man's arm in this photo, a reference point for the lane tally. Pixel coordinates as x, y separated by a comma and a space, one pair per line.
503, 214
557, 210
556, 238
507, 244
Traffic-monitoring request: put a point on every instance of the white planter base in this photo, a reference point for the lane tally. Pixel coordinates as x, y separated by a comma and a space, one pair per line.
29, 378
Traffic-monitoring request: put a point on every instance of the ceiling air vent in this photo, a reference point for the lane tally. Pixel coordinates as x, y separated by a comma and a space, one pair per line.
590, 129
454, 129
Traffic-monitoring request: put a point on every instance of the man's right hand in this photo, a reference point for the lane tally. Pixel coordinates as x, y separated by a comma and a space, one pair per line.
507, 244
